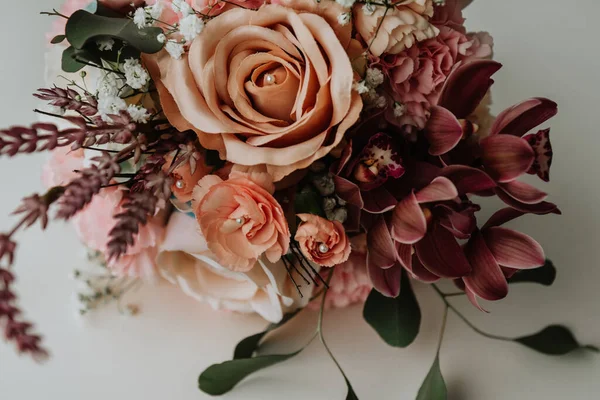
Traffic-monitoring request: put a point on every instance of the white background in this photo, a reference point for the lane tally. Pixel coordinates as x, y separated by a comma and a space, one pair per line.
548, 48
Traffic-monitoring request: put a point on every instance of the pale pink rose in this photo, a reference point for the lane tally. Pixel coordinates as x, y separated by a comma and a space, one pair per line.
350, 283
241, 219
322, 241
61, 166
402, 27
186, 261
224, 87
95, 222
418, 74
216, 7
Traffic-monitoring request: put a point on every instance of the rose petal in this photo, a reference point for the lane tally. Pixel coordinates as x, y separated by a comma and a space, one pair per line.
514, 249
521, 118
466, 86
506, 157
486, 280
441, 254
408, 221
443, 131
440, 189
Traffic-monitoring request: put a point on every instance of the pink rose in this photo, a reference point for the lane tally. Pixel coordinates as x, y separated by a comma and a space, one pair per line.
350, 283
95, 222
417, 75
404, 25
225, 87
322, 241
61, 166
216, 7
241, 219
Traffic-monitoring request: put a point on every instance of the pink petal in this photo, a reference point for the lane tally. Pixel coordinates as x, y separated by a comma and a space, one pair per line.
462, 223
506, 157
443, 131
348, 191
468, 179
381, 249
418, 271
440, 189
408, 221
540, 208
344, 159
473, 299
523, 117
523, 192
514, 249
466, 86
440, 253
540, 143
386, 281
378, 201
486, 280
501, 217
404, 253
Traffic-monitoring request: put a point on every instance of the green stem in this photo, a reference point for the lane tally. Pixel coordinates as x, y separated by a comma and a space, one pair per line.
442, 330
465, 320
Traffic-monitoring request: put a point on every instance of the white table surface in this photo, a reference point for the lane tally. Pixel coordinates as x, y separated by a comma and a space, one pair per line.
548, 48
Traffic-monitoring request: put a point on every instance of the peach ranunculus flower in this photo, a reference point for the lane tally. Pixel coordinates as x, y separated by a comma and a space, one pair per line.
396, 29
322, 241
268, 87
186, 261
184, 180
216, 7
241, 219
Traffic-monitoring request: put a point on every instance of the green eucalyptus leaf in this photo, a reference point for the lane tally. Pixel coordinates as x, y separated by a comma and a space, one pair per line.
308, 201
221, 378
397, 320
544, 275
351, 395
433, 387
68, 62
553, 340
58, 39
246, 347
83, 26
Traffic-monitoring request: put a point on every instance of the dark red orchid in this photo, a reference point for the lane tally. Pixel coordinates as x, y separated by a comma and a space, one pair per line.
495, 254
508, 151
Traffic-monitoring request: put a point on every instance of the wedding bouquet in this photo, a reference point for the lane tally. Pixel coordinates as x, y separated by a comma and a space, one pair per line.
271, 156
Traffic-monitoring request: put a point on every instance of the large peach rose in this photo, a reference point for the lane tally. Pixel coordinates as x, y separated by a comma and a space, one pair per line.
241, 219
397, 28
266, 87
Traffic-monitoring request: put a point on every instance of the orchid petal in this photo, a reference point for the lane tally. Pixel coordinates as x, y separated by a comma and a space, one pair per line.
502, 216
462, 223
466, 86
506, 157
521, 118
386, 281
473, 299
443, 131
541, 208
441, 254
378, 201
418, 271
468, 179
523, 192
404, 253
514, 249
440, 189
486, 280
540, 143
408, 221
348, 191
382, 252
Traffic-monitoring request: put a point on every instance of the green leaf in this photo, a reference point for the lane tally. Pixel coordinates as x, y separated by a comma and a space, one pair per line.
68, 62
553, 340
308, 201
433, 387
397, 320
221, 378
351, 395
246, 347
83, 26
544, 275
58, 39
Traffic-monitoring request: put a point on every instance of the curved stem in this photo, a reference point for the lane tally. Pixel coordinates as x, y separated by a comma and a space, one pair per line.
442, 330
465, 320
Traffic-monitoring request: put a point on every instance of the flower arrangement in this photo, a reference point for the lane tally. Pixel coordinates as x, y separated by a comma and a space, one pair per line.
273, 156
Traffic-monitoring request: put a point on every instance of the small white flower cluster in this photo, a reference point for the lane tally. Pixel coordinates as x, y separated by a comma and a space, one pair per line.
145, 16
344, 18
183, 7
190, 27
105, 44
109, 102
367, 88
399, 109
346, 3
368, 9
136, 76
138, 113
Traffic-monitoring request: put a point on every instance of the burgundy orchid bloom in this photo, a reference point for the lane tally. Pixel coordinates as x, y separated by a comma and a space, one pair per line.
495, 254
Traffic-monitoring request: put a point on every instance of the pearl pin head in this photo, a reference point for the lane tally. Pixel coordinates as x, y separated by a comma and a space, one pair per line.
240, 221
323, 248
270, 79
180, 184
